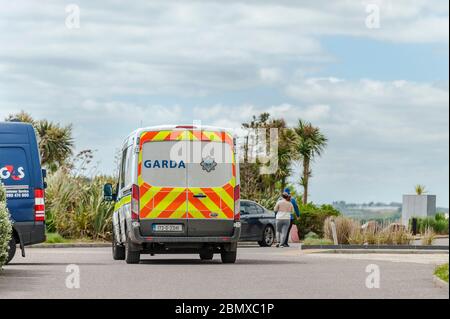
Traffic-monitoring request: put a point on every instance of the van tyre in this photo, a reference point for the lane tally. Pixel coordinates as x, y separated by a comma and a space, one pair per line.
206, 255
132, 256
228, 257
118, 250
268, 237
11, 249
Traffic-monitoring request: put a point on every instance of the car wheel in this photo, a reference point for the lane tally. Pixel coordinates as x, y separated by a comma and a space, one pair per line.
207, 255
268, 237
132, 256
118, 250
229, 257
11, 249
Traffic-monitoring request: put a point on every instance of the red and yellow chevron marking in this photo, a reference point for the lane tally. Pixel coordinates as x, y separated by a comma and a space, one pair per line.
190, 135
165, 202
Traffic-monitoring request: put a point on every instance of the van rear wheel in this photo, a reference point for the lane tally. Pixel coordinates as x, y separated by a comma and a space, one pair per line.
132, 256
228, 257
11, 249
117, 249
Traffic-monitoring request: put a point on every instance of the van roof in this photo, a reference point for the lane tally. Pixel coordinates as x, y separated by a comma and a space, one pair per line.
175, 127
15, 132
14, 127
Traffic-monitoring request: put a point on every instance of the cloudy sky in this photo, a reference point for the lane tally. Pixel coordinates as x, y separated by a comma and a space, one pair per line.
381, 94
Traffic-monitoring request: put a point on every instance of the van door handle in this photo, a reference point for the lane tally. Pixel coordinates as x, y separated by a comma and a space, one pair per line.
200, 196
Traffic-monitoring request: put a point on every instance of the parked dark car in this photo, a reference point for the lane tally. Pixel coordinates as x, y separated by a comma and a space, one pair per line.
258, 223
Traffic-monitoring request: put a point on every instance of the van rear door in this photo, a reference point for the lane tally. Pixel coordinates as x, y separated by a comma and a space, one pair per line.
187, 179
162, 186
15, 175
211, 178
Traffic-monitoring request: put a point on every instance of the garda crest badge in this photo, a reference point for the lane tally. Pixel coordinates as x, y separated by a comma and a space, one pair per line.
208, 164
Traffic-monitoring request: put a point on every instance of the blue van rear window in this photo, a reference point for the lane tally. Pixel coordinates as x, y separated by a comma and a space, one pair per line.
14, 173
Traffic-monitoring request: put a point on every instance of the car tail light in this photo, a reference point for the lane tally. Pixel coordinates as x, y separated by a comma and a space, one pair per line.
237, 206
135, 202
39, 205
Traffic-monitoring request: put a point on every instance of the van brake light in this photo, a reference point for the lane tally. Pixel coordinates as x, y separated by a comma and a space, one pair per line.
135, 202
39, 205
187, 127
237, 206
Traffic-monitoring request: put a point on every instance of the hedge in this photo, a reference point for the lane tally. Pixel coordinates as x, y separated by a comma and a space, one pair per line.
312, 218
5, 228
438, 224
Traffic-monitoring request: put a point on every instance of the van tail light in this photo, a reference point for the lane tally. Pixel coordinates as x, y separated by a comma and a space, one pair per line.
237, 206
186, 127
135, 202
39, 205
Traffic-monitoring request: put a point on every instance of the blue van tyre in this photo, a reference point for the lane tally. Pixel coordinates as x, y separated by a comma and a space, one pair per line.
117, 250
228, 257
11, 249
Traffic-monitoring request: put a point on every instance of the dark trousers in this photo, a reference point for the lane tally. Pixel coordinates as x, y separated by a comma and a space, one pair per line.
286, 242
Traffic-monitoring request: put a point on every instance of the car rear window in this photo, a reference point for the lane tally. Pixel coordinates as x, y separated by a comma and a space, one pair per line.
14, 173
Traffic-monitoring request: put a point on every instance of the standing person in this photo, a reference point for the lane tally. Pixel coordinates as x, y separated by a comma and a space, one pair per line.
283, 210
297, 213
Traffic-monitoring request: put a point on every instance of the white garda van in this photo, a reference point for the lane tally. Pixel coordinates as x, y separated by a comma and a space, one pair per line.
178, 192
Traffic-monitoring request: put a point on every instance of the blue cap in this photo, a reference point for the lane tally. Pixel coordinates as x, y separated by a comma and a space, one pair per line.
288, 191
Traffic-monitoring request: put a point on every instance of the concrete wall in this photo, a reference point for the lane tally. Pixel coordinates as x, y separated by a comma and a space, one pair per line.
418, 206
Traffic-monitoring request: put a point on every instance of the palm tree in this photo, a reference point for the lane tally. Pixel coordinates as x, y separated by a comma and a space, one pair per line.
421, 189
55, 142
22, 116
311, 142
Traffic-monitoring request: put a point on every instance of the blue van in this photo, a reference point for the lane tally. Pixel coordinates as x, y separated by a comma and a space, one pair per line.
23, 178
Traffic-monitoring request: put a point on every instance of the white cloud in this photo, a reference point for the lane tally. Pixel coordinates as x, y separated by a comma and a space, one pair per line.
270, 75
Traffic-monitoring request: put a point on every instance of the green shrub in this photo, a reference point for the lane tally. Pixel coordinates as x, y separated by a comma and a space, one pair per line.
5, 228
268, 202
312, 218
55, 238
75, 206
311, 235
441, 227
438, 223
439, 216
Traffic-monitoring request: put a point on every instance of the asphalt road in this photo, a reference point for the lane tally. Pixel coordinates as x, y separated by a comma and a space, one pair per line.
259, 273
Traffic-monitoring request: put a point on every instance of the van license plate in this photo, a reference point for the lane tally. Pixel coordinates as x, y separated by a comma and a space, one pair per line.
167, 228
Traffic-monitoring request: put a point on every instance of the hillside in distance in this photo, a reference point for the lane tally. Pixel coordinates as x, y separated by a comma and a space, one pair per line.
387, 212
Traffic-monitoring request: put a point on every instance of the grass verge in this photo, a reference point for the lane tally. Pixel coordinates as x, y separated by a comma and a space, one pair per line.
55, 238
442, 272
315, 241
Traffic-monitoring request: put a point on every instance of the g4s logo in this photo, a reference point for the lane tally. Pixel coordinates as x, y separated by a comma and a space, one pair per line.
8, 171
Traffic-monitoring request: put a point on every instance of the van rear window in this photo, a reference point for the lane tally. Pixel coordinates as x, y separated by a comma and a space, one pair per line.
214, 166
160, 167
14, 172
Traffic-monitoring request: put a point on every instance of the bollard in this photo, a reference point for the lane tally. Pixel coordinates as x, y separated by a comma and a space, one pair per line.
334, 232
414, 226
